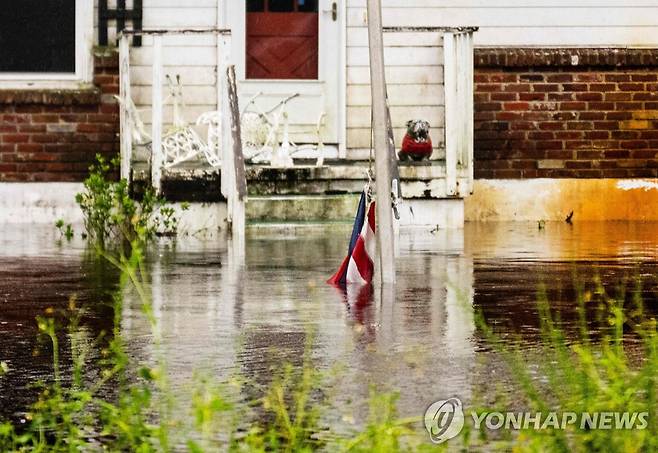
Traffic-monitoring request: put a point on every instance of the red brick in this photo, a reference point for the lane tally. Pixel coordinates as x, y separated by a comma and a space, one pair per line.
559, 78
589, 96
565, 116
532, 77
553, 125
590, 116
503, 96
619, 115
573, 106
532, 96
14, 138
577, 144
516, 106
588, 154
550, 144
630, 86
596, 135
644, 96
29, 147
644, 77
602, 87
45, 118
575, 87
488, 87
560, 96
545, 87
618, 96
578, 164
503, 78
588, 77
541, 135
629, 106
634, 144
569, 135
524, 164
580, 125
601, 105
517, 87
616, 153
608, 125
643, 154
616, 77
32, 127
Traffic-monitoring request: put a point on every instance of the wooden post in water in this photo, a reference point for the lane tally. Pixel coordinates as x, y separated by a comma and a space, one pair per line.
238, 193
385, 237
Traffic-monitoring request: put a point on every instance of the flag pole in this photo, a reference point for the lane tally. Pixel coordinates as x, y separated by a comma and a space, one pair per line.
385, 237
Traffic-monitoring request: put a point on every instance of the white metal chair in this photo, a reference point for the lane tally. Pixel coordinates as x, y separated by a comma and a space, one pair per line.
261, 131
180, 142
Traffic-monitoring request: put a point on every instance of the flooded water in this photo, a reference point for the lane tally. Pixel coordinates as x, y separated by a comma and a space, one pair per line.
249, 316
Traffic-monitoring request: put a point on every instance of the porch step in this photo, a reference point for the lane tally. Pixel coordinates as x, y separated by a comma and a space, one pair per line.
301, 208
194, 182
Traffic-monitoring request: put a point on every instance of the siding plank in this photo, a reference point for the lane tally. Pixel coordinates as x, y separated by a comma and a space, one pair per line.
399, 95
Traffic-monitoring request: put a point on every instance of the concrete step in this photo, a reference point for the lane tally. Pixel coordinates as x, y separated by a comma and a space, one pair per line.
191, 182
286, 209
302, 208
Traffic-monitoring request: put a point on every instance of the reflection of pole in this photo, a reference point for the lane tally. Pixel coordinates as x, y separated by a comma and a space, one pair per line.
382, 162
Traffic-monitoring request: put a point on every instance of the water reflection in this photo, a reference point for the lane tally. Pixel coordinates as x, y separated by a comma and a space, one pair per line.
251, 307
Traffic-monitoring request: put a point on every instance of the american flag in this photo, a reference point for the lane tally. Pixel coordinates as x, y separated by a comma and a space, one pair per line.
357, 267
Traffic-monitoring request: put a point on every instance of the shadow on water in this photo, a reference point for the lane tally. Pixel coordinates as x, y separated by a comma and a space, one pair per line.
38, 283
252, 315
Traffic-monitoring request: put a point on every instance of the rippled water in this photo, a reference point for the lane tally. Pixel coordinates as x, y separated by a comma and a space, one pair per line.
250, 315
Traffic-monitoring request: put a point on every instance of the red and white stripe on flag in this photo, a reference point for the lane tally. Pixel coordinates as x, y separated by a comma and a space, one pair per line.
360, 268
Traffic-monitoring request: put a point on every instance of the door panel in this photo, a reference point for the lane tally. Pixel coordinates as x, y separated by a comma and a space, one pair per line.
282, 45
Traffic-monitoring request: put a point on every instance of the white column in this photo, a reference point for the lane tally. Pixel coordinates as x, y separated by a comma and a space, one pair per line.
156, 118
124, 118
451, 118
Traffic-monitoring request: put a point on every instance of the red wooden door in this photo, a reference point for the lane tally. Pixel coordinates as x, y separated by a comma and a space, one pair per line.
282, 40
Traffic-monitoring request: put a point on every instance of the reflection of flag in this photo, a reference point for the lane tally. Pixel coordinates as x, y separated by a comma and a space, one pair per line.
358, 266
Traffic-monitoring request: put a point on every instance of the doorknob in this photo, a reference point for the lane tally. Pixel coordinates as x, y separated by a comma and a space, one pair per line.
333, 11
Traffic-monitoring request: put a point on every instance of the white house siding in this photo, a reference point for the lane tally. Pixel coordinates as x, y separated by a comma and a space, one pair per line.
414, 76
561, 23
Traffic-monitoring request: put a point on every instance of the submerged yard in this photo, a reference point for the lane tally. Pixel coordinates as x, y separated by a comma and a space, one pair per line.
215, 318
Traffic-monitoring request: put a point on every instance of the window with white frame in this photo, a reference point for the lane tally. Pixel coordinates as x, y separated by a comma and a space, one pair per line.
46, 40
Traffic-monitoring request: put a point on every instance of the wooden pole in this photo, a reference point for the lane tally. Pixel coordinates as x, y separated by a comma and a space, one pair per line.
239, 191
385, 236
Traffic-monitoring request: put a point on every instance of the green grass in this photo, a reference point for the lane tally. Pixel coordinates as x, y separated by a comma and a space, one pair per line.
613, 368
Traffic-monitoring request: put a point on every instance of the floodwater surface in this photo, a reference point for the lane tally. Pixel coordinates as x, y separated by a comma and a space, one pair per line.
230, 315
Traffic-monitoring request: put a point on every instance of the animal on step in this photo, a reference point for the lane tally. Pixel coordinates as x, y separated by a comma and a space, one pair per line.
417, 144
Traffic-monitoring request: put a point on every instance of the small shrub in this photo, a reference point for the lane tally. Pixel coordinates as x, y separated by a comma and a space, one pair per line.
112, 216
65, 230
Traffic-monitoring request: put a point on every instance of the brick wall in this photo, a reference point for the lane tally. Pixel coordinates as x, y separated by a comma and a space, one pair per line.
54, 135
566, 113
